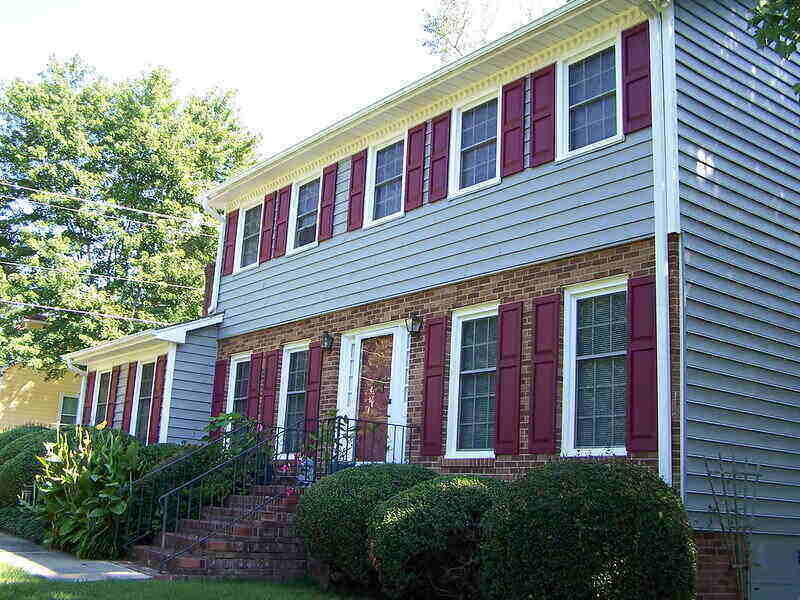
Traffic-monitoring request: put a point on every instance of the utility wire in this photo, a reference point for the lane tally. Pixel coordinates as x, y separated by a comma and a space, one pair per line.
125, 219
102, 203
100, 275
82, 312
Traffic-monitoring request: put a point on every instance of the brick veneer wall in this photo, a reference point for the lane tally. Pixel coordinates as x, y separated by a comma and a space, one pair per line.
716, 580
635, 259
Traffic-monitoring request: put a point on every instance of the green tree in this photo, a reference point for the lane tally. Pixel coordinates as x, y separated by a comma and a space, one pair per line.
133, 143
776, 24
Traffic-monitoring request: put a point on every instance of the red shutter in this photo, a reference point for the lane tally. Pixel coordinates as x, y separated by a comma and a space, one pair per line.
636, 104
440, 156
544, 353
158, 399
111, 407
642, 390
509, 378
328, 202
282, 221
543, 116
358, 181
433, 386
127, 408
229, 248
254, 385
313, 385
512, 147
269, 388
415, 166
88, 398
267, 227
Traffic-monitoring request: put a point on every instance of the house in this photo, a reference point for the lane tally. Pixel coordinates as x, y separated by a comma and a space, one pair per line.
27, 396
592, 221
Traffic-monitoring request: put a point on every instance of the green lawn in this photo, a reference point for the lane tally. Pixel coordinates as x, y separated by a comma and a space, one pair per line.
32, 588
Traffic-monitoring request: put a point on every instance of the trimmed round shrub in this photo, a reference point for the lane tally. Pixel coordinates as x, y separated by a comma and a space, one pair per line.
15, 440
332, 515
424, 541
20, 471
588, 529
21, 522
9, 435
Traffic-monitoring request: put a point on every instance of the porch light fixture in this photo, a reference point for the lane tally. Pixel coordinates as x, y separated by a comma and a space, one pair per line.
327, 340
414, 323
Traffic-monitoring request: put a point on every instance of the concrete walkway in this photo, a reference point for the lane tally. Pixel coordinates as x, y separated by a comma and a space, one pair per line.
60, 566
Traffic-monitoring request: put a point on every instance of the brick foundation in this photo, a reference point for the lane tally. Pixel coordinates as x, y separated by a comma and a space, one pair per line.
716, 580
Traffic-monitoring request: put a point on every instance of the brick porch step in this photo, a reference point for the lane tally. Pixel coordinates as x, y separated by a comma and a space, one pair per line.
228, 543
259, 528
223, 513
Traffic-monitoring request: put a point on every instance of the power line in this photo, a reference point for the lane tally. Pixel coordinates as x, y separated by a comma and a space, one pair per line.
102, 203
82, 312
100, 275
126, 219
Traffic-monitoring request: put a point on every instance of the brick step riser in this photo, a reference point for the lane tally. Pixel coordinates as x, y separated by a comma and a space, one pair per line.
268, 531
252, 501
275, 490
153, 558
217, 513
179, 541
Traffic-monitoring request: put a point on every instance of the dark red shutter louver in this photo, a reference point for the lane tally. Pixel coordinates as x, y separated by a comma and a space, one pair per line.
89, 397
158, 400
358, 183
313, 386
636, 104
267, 228
111, 407
415, 166
440, 157
642, 381
282, 221
544, 359
543, 116
328, 202
512, 145
218, 395
269, 388
433, 386
127, 407
229, 247
254, 385
509, 378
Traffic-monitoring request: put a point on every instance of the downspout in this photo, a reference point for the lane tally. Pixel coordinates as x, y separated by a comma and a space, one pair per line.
212, 307
73, 368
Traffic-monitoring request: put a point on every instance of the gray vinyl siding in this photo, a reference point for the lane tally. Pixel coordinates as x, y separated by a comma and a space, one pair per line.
739, 160
192, 383
596, 200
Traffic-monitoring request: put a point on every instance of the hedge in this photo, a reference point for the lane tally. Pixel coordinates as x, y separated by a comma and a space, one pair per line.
424, 541
19, 471
587, 529
17, 441
332, 515
9, 435
21, 522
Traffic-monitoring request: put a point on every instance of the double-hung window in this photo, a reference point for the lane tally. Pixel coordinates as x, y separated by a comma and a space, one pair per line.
237, 402
68, 415
103, 391
144, 401
305, 209
473, 368
250, 236
476, 142
295, 413
596, 369
387, 166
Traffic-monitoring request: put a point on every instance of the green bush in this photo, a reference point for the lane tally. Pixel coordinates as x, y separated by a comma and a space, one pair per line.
587, 529
424, 541
9, 435
19, 471
80, 494
333, 513
157, 455
15, 443
20, 521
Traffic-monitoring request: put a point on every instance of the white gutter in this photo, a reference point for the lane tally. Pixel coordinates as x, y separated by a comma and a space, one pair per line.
73, 368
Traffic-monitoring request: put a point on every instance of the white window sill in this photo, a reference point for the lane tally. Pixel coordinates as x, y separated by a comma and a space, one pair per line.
617, 139
301, 249
466, 454
382, 220
474, 188
578, 452
240, 269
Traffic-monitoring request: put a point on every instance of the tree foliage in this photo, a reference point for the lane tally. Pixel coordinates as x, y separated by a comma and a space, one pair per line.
134, 143
776, 24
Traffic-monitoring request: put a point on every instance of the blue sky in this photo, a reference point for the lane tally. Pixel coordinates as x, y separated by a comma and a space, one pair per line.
298, 65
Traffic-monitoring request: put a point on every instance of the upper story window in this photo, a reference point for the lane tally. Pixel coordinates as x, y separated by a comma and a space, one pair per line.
250, 236
388, 186
237, 401
305, 209
68, 415
145, 398
103, 391
475, 152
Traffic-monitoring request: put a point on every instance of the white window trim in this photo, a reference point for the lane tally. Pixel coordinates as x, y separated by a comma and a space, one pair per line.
489, 309
291, 233
235, 360
96, 393
369, 200
572, 294
237, 256
61, 407
288, 350
562, 98
454, 190
136, 389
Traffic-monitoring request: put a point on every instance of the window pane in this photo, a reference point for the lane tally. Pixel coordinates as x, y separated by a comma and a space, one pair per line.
295, 401
479, 144
592, 99
102, 398
251, 231
307, 202
602, 324
477, 384
601, 402
240, 387
145, 396
69, 410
